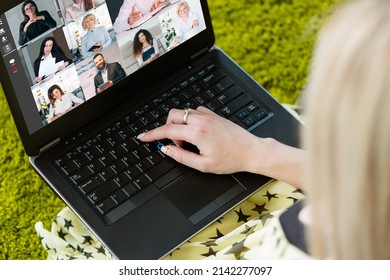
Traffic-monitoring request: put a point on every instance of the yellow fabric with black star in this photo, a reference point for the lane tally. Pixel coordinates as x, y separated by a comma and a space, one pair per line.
249, 231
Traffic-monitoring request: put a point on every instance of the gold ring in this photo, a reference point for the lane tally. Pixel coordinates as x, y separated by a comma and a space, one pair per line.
186, 114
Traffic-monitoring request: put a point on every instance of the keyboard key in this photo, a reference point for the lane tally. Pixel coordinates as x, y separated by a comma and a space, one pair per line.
260, 114
229, 95
103, 191
160, 169
81, 174
130, 189
106, 205
120, 196
91, 184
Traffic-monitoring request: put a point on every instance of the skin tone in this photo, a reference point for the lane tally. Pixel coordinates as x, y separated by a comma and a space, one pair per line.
225, 147
46, 52
135, 15
145, 44
100, 64
30, 11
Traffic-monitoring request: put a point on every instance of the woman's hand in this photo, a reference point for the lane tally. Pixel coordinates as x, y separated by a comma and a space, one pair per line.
157, 4
224, 147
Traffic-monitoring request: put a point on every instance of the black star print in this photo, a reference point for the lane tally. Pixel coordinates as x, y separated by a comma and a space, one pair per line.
209, 243
298, 191
293, 198
87, 255
219, 220
241, 216
171, 253
271, 196
260, 208
219, 235
210, 253
79, 249
70, 257
68, 224
87, 239
265, 218
101, 250
248, 230
47, 247
237, 249
70, 246
62, 234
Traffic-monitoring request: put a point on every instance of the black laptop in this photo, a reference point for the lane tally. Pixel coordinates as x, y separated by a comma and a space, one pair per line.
82, 141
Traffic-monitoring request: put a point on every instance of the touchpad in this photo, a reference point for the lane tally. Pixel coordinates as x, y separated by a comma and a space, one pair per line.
200, 194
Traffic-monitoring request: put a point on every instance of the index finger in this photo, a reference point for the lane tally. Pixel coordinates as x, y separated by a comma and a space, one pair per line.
171, 131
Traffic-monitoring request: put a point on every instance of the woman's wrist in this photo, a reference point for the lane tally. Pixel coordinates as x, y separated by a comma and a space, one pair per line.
276, 160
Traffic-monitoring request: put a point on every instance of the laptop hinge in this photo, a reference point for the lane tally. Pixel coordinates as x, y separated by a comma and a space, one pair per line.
49, 145
199, 53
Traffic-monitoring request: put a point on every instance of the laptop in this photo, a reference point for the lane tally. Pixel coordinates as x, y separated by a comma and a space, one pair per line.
139, 203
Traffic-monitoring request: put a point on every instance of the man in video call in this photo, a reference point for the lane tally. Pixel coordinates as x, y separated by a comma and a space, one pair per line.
108, 74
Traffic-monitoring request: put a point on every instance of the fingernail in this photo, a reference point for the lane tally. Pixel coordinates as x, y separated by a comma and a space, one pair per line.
141, 135
166, 151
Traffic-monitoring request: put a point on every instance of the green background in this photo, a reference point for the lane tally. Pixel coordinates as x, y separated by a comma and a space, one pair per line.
270, 39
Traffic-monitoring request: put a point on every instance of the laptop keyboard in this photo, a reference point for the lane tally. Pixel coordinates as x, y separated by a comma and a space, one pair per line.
115, 172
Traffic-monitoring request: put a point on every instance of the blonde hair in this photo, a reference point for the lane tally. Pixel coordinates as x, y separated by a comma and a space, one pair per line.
83, 24
348, 134
182, 4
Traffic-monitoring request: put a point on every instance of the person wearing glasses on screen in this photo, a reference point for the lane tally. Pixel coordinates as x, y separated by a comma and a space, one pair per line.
35, 22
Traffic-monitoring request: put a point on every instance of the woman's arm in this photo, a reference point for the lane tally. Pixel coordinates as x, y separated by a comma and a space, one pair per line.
22, 34
47, 19
225, 147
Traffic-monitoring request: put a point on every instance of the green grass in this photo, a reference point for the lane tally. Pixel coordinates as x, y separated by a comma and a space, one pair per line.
271, 39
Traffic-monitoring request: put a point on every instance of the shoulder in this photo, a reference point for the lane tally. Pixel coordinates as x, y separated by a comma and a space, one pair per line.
44, 13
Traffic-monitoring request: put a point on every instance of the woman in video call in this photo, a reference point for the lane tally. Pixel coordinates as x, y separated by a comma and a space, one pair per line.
186, 25
96, 38
145, 48
35, 22
61, 102
52, 57
79, 7
133, 10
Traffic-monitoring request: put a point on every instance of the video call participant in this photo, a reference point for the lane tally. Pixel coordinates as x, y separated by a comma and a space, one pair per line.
35, 22
108, 74
145, 48
96, 38
187, 23
132, 11
78, 7
61, 102
50, 55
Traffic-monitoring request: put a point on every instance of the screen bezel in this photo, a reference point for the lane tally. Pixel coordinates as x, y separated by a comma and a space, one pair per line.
129, 88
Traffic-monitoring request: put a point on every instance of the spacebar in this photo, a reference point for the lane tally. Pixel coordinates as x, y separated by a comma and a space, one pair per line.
130, 205
170, 176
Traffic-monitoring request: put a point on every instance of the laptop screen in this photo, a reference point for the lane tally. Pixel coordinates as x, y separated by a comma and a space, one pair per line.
62, 53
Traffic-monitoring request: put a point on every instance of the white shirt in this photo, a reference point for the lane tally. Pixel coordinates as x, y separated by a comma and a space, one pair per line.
75, 11
121, 22
156, 51
63, 104
185, 30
